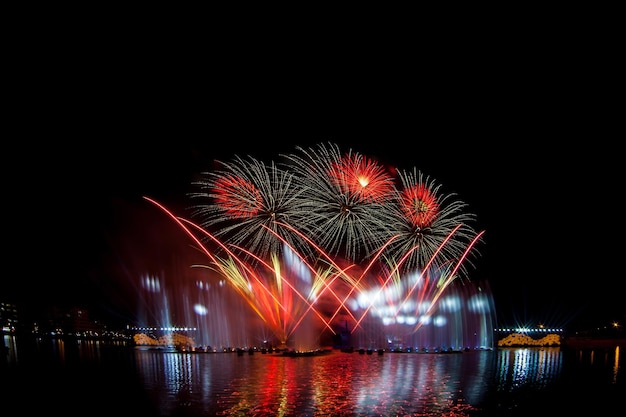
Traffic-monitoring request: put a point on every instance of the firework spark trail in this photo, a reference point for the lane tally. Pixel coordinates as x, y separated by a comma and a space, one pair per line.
241, 282
225, 267
295, 290
382, 287
341, 271
327, 283
357, 283
449, 278
426, 271
262, 306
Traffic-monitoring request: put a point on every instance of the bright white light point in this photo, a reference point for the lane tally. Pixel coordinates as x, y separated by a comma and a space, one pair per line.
451, 304
151, 284
363, 181
200, 310
391, 294
296, 265
440, 321
423, 307
363, 300
388, 311
478, 303
415, 278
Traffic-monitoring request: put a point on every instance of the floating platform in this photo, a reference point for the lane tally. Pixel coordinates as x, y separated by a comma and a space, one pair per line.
298, 353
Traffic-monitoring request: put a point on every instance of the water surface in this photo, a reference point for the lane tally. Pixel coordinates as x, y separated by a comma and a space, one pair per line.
90, 377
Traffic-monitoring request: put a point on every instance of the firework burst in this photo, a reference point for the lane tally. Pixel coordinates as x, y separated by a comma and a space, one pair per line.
346, 198
424, 219
245, 201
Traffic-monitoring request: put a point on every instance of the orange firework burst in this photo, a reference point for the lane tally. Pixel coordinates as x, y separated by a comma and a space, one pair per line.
419, 205
237, 197
362, 177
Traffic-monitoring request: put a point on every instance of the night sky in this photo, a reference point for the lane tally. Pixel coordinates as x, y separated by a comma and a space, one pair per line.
531, 148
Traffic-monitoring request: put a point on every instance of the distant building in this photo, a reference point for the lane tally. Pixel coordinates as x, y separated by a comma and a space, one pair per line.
74, 321
9, 317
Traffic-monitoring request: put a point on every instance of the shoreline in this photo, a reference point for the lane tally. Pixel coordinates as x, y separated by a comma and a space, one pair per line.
592, 342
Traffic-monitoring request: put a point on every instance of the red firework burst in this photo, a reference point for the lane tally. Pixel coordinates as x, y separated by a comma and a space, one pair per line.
419, 205
362, 178
238, 198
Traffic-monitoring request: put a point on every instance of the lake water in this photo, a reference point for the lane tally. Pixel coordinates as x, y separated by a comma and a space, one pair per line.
91, 378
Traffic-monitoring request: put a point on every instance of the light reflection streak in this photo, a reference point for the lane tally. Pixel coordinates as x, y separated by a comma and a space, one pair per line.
616, 365
522, 367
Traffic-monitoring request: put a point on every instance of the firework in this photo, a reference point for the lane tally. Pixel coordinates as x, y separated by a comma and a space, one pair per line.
245, 200
328, 233
424, 218
282, 292
346, 197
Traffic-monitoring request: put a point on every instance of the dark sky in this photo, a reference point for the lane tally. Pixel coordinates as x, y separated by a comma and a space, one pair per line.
530, 140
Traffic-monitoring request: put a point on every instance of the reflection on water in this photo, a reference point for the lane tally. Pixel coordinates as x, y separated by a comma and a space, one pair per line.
333, 384
528, 367
507, 381
556, 381
602, 360
616, 365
